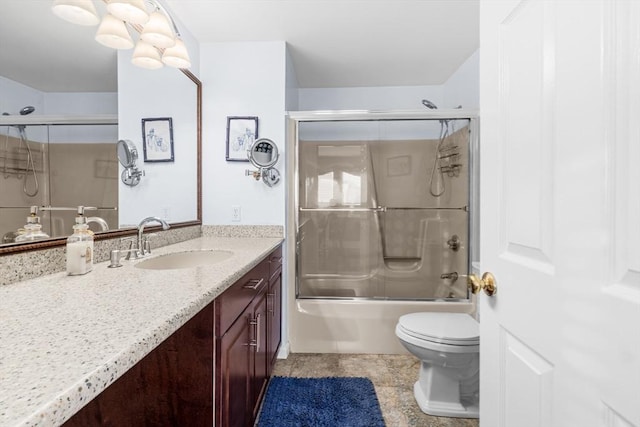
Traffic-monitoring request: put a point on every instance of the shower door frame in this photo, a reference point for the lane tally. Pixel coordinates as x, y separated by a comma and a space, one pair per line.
294, 118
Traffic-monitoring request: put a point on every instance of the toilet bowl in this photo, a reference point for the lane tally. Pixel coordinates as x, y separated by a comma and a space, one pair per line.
448, 345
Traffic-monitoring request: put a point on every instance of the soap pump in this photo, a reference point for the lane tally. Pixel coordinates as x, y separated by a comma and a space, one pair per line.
32, 229
80, 246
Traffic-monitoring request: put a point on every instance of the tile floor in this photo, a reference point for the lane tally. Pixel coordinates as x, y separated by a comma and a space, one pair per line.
392, 375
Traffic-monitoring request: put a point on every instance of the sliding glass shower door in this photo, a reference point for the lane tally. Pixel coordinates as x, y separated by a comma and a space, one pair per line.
383, 209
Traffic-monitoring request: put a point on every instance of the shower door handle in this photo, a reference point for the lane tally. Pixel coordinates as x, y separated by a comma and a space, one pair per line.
487, 283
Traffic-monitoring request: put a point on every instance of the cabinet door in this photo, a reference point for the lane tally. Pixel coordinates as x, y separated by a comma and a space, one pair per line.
235, 362
274, 319
172, 385
260, 350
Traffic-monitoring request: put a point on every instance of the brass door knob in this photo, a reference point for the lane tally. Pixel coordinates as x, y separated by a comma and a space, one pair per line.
487, 283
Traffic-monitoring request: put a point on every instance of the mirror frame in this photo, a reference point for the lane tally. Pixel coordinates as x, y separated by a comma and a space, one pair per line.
14, 248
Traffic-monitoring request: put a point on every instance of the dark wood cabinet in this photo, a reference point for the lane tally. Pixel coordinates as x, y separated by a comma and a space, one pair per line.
247, 314
170, 386
274, 307
212, 371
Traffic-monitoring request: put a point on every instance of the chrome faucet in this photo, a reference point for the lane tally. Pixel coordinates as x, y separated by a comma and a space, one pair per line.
143, 244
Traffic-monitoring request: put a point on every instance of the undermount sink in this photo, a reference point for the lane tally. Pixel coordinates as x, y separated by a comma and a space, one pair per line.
188, 259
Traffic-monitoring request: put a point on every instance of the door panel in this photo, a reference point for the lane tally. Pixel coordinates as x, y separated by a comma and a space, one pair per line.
525, 100
528, 380
560, 212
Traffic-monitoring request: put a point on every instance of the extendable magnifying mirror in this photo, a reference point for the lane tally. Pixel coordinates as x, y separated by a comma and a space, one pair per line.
263, 154
128, 155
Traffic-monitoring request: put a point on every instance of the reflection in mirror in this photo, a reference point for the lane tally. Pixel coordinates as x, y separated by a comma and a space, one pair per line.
31, 77
128, 156
127, 153
59, 165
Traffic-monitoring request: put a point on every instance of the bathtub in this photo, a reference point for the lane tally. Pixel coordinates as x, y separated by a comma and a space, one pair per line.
355, 326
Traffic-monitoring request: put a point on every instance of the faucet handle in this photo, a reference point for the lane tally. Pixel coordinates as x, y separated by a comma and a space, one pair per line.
133, 251
147, 243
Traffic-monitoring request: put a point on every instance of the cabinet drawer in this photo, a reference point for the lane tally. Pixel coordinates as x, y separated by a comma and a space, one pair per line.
275, 261
232, 302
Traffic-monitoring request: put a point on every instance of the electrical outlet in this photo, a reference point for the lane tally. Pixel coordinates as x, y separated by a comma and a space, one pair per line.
235, 213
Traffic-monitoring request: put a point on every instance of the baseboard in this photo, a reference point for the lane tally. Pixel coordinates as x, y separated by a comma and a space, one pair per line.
284, 350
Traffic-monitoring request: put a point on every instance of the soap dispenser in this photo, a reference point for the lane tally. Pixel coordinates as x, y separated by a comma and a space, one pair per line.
32, 229
80, 246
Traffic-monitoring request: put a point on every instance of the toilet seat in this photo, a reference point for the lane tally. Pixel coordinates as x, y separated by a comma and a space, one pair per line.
456, 329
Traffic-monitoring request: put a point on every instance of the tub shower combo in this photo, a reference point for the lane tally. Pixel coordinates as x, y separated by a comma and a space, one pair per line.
384, 223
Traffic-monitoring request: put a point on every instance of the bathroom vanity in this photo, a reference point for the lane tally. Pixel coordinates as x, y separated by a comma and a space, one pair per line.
144, 346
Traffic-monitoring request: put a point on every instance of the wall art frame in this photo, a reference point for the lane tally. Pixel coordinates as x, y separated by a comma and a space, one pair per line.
242, 131
157, 139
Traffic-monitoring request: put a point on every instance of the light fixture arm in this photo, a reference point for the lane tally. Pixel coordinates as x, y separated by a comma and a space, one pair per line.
161, 8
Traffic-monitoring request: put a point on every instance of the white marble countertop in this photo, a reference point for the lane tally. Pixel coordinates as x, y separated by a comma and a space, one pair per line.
64, 339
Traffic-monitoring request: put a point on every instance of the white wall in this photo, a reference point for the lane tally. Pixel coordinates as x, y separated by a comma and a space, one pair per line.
369, 98
291, 94
463, 87
242, 79
16, 95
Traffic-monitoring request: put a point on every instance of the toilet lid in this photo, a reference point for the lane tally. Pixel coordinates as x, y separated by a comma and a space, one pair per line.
446, 328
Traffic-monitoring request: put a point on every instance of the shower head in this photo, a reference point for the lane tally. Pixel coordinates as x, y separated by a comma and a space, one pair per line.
430, 105
27, 110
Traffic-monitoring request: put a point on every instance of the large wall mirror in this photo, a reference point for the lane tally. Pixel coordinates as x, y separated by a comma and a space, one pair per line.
68, 142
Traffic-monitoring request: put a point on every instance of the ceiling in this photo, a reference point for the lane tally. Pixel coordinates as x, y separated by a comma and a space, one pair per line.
332, 43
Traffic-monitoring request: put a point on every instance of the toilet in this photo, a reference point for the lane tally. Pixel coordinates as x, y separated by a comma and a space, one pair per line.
448, 345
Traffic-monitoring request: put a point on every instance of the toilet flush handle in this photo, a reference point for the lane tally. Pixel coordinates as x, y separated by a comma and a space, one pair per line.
487, 283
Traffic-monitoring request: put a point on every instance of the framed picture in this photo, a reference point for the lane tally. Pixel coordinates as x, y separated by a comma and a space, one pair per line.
241, 132
157, 137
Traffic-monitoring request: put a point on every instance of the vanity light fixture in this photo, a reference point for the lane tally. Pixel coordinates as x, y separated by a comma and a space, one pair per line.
146, 56
81, 12
132, 11
159, 41
113, 33
157, 31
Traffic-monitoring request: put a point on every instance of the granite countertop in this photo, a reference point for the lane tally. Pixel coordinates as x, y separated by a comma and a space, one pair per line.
64, 339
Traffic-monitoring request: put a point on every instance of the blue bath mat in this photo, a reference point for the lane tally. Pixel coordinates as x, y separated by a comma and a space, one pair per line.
320, 402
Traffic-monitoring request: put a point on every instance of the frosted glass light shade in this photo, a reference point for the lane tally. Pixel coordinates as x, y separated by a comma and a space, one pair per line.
177, 56
113, 33
133, 11
158, 31
81, 12
146, 56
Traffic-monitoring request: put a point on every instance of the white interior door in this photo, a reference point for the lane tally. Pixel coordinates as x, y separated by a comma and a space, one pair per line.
560, 213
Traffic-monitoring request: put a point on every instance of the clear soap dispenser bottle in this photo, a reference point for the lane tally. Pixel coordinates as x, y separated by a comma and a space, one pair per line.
80, 246
32, 229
